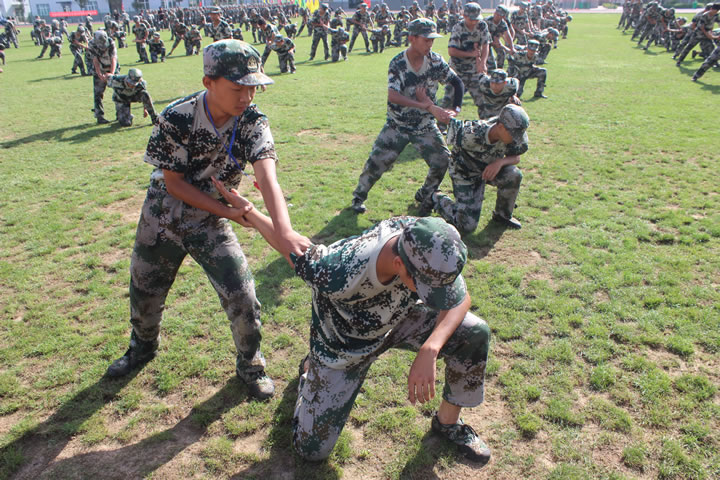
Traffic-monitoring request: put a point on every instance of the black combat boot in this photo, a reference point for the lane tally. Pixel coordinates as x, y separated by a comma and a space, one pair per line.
139, 353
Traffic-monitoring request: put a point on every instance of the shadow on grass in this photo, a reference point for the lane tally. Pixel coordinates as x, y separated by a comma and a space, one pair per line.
141, 459
86, 133
43, 443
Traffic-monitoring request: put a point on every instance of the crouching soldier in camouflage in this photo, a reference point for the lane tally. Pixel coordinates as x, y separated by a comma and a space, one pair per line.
193, 41
713, 58
285, 49
156, 47
215, 132
179, 30
496, 91
522, 65
102, 56
128, 89
55, 46
410, 120
484, 152
339, 41
396, 285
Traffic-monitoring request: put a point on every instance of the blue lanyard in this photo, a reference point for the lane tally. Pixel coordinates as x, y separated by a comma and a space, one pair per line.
228, 147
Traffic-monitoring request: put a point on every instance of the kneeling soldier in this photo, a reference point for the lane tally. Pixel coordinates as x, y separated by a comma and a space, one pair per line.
522, 66
127, 89
157, 47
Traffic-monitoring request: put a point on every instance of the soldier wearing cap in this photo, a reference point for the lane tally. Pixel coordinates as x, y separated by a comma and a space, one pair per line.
78, 43
484, 152
180, 30
218, 29
338, 44
101, 54
711, 60
497, 90
193, 41
409, 120
499, 29
702, 34
157, 48
385, 17
361, 22
128, 89
468, 48
212, 133
521, 24
141, 32
396, 285
523, 66
320, 23
285, 49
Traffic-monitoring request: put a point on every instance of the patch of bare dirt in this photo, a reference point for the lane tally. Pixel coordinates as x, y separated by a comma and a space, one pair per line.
513, 256
129, 209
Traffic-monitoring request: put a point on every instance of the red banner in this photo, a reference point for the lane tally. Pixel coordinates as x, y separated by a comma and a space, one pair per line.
80, 13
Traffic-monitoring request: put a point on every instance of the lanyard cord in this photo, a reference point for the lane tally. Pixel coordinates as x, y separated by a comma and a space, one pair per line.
228, 147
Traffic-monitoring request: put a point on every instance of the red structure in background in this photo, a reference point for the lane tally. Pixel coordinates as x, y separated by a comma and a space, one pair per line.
79, 13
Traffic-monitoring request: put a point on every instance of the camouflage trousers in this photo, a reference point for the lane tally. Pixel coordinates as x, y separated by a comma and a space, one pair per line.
464, 212
192, 47
357, 31
471, 80
378, 45
175, 43
709, 61
99, 86
496, 59
55, 51
544, 51
142, 53
534, 72
338, 50
287, 62
45, 46
122, 108
169, 230
706, 45
156, 52
326, 395
389, 143
78, 60
317, 36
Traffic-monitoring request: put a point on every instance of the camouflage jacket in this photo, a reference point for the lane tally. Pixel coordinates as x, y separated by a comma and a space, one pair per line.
103, 56
496, 30
472, 150
184, 141
122, 92
156, 45
336, 22
352, 311
463, 39
285, 48
519, 20
706, 21
360, 18
522, 62
193, 36
318, 20
141, 31
339, 37
403, 79
180, 29
384, 18
77, 37
221, 32
492, 103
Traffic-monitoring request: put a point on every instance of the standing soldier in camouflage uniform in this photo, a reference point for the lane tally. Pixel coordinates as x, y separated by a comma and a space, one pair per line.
304, 14
522, 66
384, 17
499, 29
193, 40
497, 90
396, 285
320, 24
102, 56
128, 89
157, 48
140, 30
484, 152
11, 32
217, 29
410, 120
179, 30
361, 22
213, 133
78, 43
45, 35
521, 23
468, 48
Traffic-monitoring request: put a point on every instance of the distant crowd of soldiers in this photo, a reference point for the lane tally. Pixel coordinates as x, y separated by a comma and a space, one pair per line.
659, 26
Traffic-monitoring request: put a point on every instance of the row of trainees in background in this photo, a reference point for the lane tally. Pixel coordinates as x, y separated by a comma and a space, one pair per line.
661, 27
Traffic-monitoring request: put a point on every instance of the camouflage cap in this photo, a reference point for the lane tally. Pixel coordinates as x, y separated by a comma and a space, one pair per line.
236, 61
434, 255
533, 44
473, 11
502, 10
683, 19
156, 34
515, 121
134, 74
80, 28
136, 18
362, 5
325, 6
279, 39
498, 75
423, 27
554, 31
101, 39
217, 10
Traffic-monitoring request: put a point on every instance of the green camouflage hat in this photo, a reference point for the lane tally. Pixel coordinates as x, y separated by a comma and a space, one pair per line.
554, 31
473, 11
235, 60
434, 255
502, 10
134, 74
498, 75
422, 27
217, 10
533, 44
515, 121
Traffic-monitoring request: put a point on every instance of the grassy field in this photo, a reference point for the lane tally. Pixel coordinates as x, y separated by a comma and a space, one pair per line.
604, 308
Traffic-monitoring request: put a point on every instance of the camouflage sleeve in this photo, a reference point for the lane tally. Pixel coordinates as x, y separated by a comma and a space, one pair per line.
259, 142
115, 82
322, 269
166, 149
455, 39
395, 78
454, 132
484, 32
447, 74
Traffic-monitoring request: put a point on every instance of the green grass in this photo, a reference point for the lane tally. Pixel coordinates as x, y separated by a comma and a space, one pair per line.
604, 308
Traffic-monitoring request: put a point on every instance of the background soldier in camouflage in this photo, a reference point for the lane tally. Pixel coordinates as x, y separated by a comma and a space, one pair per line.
193, 41
128, 89
45, 34
377, 38
320, 24
102, 55
55, 45
468, 48
702, 34
217, 29
212, 133
497, 90
140, 30
521, 23
397, 285
385, 17
361, 22
285, 49
499, 29
340, 38
484, 152
78, 43
157, 48
522, 66
410, 120
180, 30
713, 58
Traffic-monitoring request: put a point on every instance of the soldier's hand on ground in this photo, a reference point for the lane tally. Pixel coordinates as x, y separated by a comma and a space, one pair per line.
421, 380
